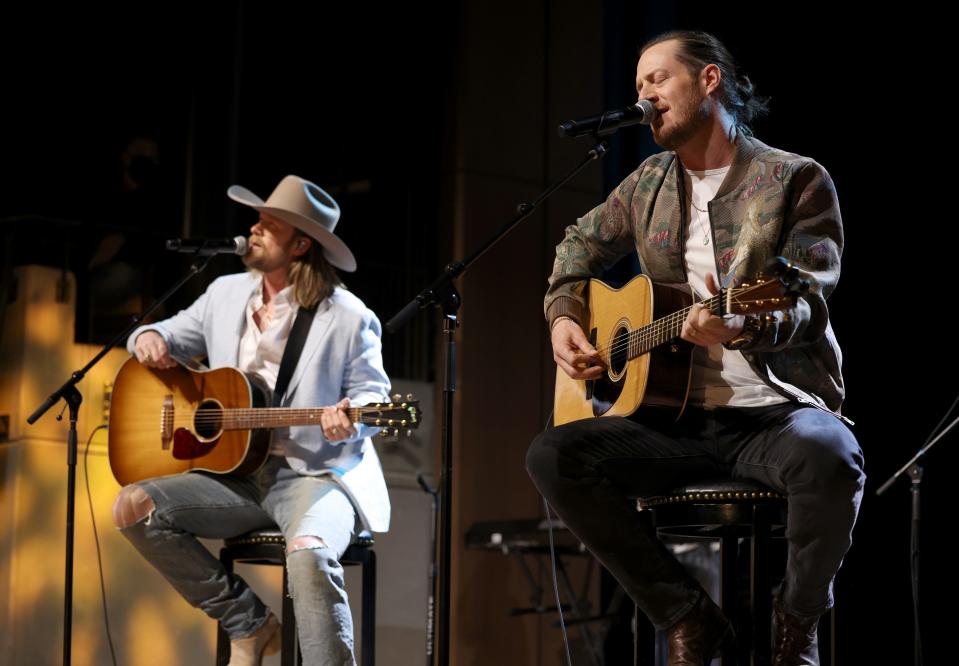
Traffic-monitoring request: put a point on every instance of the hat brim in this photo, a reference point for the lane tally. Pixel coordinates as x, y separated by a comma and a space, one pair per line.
334, 249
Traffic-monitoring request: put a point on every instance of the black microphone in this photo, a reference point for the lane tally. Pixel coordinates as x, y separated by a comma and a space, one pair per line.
207, 246
641, 113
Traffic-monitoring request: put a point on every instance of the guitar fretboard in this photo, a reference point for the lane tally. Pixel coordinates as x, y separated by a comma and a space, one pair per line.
648, 337
276, 417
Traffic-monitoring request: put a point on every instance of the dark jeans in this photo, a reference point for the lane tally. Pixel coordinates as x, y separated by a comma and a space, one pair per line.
589, 470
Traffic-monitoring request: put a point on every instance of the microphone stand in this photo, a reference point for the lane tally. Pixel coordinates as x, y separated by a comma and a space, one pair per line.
69, 393
443, 294
914, 469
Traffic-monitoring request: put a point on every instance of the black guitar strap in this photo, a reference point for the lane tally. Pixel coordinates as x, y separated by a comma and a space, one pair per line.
292, 351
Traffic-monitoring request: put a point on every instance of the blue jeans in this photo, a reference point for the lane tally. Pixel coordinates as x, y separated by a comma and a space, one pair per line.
216, 507
589, 470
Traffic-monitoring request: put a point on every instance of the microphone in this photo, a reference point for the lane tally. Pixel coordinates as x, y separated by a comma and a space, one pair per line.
205, 247
641, 113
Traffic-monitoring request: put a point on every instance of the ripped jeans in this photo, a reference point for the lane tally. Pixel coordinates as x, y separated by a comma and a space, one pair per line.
216, 507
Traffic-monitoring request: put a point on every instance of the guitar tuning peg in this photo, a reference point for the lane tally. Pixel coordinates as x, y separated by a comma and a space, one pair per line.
396, 433
397, 397
383, 433
409, 433
409, 396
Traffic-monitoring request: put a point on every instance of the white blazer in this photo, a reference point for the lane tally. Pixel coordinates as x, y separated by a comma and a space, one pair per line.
341, 358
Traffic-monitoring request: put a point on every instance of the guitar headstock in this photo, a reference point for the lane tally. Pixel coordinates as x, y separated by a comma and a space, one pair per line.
396, 416
766, 294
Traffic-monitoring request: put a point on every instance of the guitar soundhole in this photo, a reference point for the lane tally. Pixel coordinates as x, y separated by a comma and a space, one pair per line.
208, 420
607, 389
619, 353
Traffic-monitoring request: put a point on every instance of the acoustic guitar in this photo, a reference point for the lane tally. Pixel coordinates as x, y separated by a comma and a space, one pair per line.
179, 420
636, 331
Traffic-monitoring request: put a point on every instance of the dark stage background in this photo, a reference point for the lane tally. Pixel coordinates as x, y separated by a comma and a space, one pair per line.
393, 110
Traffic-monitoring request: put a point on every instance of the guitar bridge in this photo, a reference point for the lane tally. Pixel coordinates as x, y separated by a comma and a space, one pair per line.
166, 422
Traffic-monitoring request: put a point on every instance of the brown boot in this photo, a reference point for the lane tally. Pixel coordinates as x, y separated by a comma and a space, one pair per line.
700, 635
795, 641
250, 650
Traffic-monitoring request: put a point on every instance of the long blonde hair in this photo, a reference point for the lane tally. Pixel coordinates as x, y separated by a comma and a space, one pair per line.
312, 276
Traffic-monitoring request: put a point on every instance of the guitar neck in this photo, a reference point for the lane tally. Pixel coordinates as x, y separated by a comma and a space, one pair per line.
278, 417
664, 329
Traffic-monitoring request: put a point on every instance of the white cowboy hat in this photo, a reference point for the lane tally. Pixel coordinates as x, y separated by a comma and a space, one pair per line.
308, 208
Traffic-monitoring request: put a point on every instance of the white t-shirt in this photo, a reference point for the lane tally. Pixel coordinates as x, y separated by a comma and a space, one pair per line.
720, 377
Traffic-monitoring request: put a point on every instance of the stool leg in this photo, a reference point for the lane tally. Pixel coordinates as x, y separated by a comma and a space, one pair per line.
761, 586
222, 640
729, 571
644, 636
368, 648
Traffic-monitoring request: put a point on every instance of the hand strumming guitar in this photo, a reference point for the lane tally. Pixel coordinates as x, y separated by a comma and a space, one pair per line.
573, 352
151, 350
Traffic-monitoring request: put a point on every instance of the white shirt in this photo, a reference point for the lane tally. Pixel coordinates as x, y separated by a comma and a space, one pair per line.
720, 377
261, 351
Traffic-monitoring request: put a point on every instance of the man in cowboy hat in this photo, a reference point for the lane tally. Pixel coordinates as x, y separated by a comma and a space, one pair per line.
319, 486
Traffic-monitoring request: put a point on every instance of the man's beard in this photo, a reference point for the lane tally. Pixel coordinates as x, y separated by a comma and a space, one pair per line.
250, 261
264, 263
260, 262
692, 119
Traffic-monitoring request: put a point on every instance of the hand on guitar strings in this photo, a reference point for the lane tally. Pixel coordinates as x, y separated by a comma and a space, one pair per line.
703, 328
336, 423
572, 351
152, 351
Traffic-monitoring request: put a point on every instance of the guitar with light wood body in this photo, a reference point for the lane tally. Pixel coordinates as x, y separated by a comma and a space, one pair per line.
636, 330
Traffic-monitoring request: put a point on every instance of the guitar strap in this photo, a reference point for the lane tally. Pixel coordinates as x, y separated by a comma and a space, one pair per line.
292, 351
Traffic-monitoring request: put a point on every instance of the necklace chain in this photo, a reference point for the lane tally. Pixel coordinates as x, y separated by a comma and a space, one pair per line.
702, 226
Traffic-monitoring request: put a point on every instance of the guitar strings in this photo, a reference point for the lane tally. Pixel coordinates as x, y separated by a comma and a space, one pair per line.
654, 331
282, 416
